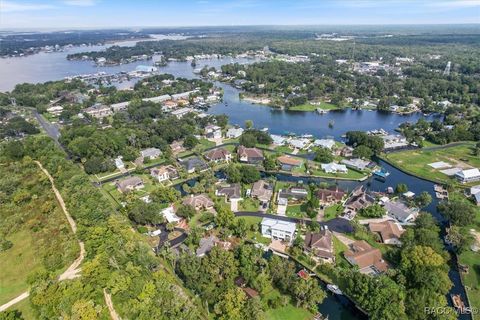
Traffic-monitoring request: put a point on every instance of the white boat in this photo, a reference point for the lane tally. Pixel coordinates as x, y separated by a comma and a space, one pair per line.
335, 289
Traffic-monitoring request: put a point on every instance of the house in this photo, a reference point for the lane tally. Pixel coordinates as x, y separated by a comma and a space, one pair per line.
400, 211
231, 192
199, 202
194, 164
250, 155
180, 113
98, 111
213, 132
356, 163
218, 155
333, 167
278, 229
320, 244
278, 140
324, 143
475, 193
299, 143
169, 104
469, 175
262, 190
368, 259
164, 173
121, 106
119, 163
233, 133
389, 231
183, 95
206, 245
359, 199
346, 152
169, 214
129, 184
55, 110
330, 196
151, 153
177, 147
251, 293
293, 194
288, 163
158, 99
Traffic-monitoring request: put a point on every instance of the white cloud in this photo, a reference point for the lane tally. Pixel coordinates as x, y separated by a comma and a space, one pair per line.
9, 6
80, 3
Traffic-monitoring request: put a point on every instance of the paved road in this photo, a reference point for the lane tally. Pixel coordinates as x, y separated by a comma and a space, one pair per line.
50, 129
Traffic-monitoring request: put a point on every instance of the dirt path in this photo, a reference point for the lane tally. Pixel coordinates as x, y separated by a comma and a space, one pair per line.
108, 300
73, 270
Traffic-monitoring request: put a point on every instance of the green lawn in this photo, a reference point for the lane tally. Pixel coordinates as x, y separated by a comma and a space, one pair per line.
284, 149
472, 279
311, 107
340, 248
16, 264
248, 204
416, 161
288, 312
295, 210
25, 308
332, 211
350, 175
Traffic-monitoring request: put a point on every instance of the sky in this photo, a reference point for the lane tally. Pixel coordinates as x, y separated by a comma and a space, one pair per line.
38, 14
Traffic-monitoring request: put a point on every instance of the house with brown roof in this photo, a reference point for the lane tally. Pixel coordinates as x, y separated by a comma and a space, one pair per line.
232, 191
320, 244
368, 259
250, 155
330, 196
288, 163
389, 231
199, 202
164, 173
262, 190
177, 147
219, 155
129, 184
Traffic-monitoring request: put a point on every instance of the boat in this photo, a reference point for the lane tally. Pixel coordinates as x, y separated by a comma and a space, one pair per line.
322, 111
320, 316
382, 173
335, 289
457, 302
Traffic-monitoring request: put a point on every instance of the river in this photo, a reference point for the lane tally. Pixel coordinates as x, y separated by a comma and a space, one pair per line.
43, 67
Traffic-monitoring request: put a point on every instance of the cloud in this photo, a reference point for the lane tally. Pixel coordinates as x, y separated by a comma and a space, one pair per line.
80, 3
9, 6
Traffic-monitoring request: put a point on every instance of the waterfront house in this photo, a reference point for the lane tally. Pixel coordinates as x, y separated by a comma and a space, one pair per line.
164, 173
400, 211
469, 175
289, 163
158, 99
183, 95
250, 155
233, 133
356, 163
129, 184
262, 190
199, 202
278, 140
151, 153
320, 244
180, 113
388, 231
346, 152
333, 167
213, 132
475, 193
300, 143
218, 155
230, 192
368, 259
278, 229
330, 196
324, 143
194, 164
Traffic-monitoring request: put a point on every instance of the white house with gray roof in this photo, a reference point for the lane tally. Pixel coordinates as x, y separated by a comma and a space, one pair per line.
278, 229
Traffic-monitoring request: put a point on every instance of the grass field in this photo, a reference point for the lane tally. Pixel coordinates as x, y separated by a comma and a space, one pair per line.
288, 312
416, 161
311, 107
332, 211
26, 309
16, 264
472, 279
350, 175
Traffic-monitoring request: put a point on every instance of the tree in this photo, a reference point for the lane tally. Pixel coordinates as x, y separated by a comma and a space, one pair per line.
401, 188
190, 142
458, 212
423, 199
233, 173
308, 294
14, 150
323, 155
362, 151
225, 217
165, 195
248, 124
11, 315
460, 239
250, 174
231, 304
240, 228
373, 211
269, 163
186, 211
144, 213
130, 153
248, 139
